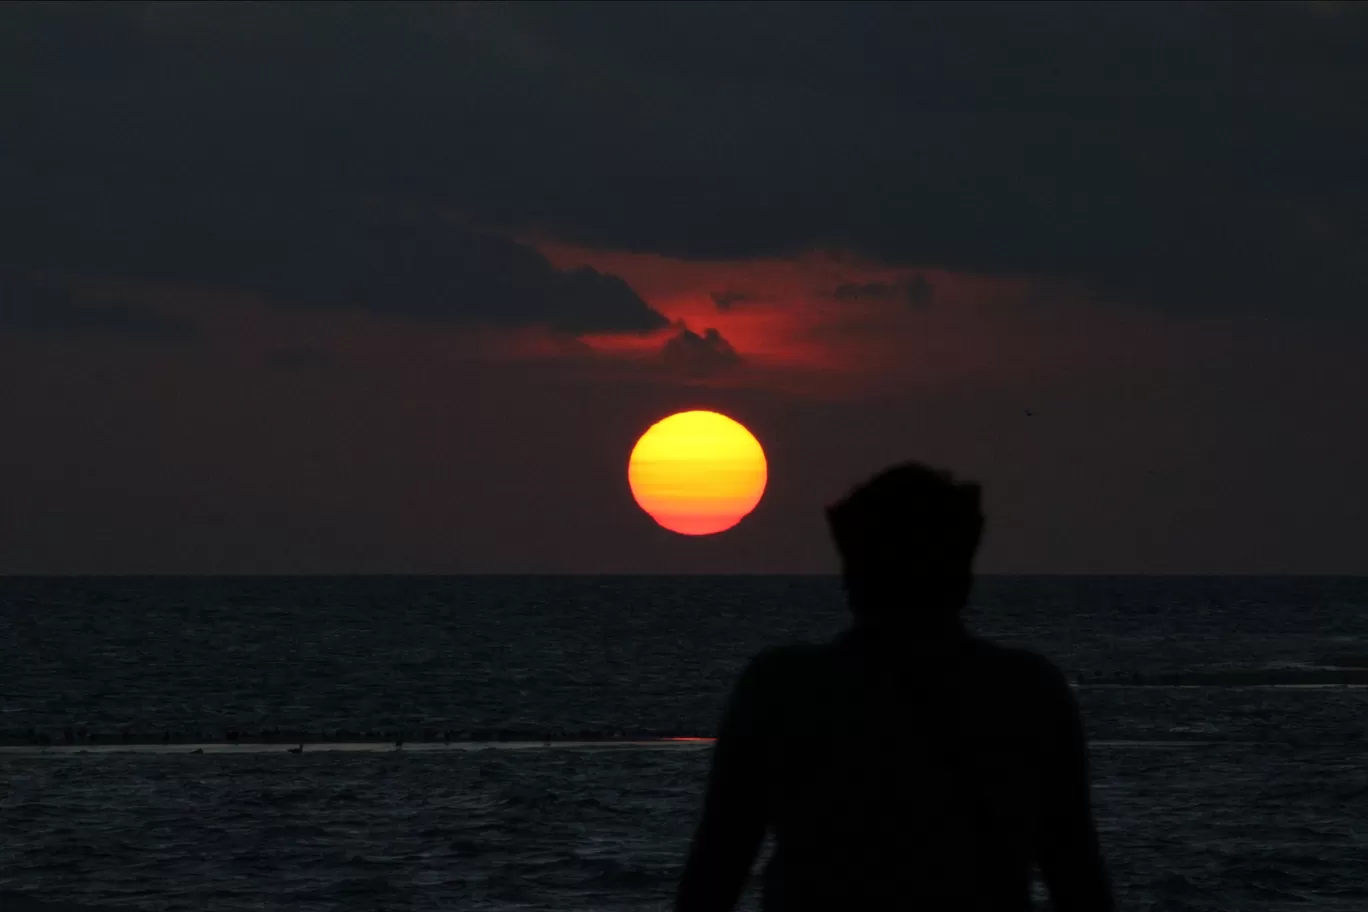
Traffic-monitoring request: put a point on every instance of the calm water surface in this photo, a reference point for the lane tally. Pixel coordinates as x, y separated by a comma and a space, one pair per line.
1234, 795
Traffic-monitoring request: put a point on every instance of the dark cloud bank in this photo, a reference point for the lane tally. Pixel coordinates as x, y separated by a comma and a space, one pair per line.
319, 255
700, 355
1194, 157
49, 309
918, 292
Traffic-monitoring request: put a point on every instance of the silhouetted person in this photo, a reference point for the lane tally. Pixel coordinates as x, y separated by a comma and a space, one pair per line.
906, 764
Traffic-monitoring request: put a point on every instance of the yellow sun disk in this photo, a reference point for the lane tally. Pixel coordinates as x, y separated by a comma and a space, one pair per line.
697, 472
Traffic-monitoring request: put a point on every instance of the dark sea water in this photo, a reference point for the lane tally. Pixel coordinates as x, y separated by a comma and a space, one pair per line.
1230, 761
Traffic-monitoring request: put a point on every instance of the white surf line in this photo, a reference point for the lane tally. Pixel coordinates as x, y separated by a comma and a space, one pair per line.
371, 747
1108, 686
1132, 743
355, 747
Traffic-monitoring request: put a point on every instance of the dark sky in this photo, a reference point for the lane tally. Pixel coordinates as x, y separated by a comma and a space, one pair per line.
394, 288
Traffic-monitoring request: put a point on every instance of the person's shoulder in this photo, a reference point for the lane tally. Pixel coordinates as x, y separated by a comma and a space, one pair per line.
771, 675
1020, 665
783, 665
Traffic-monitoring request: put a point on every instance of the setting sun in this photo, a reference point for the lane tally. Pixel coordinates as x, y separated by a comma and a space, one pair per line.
697, 472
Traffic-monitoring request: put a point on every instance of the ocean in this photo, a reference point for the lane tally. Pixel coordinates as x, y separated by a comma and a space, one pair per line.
1228, 720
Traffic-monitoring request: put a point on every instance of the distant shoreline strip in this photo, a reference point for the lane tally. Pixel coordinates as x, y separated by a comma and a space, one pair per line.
80, 737
376, 747
315, 747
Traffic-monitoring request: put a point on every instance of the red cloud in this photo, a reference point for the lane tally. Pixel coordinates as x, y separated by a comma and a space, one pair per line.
821, 322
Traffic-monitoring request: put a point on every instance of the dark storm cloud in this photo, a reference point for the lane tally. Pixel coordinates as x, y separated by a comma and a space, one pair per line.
918, 292
695, 354
33, 308
314, 252
151, 150
726, 300
865, 291
1186, 156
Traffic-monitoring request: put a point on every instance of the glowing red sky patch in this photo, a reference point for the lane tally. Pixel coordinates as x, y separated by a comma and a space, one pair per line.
820, 321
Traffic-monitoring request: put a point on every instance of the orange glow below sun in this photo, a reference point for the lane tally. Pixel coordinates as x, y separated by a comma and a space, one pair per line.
697, 473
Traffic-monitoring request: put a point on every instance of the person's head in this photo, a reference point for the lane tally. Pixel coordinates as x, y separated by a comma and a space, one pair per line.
907, 539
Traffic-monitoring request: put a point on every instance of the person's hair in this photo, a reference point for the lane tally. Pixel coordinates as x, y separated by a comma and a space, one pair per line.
907, 539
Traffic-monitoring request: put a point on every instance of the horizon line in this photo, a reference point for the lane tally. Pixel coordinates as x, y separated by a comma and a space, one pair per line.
500, 574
